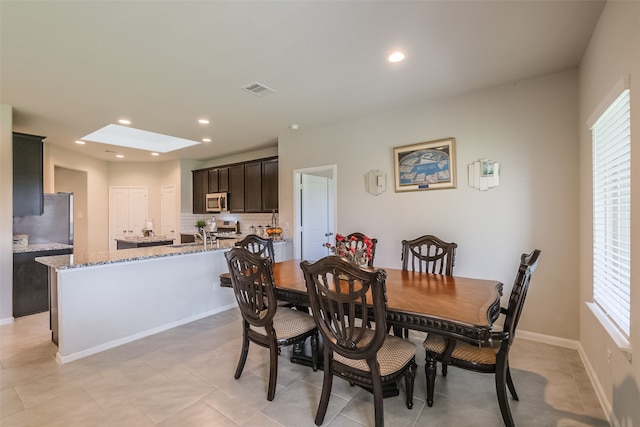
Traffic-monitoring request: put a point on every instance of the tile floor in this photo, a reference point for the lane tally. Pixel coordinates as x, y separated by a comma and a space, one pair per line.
184, 377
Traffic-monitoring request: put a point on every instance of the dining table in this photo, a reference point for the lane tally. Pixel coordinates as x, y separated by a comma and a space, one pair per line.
460, 308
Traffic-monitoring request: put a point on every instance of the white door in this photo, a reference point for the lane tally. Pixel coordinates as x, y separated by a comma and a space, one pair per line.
128, 209
118, 215
316, 216
168, 211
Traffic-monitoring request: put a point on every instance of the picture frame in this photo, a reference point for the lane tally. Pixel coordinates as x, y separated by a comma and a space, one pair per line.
425, 166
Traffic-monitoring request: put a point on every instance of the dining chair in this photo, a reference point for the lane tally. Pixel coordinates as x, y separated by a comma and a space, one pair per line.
359, 237
493, 359
264, 322
353, 349
258, 245
429, 254
255, 244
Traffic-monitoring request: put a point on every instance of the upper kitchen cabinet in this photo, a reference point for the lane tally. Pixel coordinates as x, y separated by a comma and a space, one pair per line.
236, 188
200, 190
270, 185
214, 186
223, 180
28, 183
253, 187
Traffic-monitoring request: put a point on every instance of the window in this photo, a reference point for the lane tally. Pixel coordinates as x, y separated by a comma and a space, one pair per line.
611, 135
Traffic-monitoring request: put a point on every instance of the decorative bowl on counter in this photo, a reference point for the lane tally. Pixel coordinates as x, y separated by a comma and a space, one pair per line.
275, 232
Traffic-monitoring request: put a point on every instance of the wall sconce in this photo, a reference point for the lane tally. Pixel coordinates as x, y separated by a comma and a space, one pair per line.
484, 174
375, 182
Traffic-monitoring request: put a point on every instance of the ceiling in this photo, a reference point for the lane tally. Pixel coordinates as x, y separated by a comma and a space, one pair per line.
69, 68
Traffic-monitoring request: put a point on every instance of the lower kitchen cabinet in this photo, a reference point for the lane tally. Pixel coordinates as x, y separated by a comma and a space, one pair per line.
31, 282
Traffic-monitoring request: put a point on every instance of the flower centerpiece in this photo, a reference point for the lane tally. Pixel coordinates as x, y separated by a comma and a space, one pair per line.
358, 251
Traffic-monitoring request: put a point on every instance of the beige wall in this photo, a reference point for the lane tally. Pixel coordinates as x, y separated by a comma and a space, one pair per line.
6, 214
73, 181
529, 127
614, 52
97, 215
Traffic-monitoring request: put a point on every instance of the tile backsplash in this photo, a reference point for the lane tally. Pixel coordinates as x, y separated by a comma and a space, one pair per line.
246, 220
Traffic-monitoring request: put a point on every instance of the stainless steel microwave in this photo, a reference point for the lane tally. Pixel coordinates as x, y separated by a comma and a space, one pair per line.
216, 202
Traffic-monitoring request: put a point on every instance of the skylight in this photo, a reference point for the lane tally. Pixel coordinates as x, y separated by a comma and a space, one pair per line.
125, 136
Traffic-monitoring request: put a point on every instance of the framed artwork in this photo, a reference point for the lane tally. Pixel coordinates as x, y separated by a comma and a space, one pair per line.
425, 166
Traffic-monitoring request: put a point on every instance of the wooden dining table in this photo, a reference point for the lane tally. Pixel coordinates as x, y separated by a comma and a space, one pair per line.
461, 308
458, 307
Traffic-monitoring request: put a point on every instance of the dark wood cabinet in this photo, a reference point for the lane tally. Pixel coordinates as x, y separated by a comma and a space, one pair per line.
270, 186
31, 282
236, 188
253, 187
213, 181
200, 190
223, 180
131, 244
28, 185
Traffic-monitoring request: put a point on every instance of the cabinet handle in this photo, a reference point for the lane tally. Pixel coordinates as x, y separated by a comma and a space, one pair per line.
130, 231
124, 231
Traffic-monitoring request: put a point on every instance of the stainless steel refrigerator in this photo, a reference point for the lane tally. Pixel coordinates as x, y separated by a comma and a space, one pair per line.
55, 225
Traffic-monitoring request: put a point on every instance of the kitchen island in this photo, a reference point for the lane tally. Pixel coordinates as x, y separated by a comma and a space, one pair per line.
103, 300
142, 242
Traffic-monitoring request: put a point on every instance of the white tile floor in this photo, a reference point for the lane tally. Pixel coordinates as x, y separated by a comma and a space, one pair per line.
184, 377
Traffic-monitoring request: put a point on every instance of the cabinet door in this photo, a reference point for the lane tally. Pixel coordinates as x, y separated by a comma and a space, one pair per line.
223, 180
213, 181
236, 188
28, 197
253, 187
200, 188
270, 186
31, 282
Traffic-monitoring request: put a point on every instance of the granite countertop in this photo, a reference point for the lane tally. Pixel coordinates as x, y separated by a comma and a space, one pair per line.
63, 262
41, 247
141, 239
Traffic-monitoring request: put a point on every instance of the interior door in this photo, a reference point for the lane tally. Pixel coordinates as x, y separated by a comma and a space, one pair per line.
128, 209
315, 216
168, 211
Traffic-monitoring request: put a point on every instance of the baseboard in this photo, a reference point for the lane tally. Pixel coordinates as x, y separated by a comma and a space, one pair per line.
7, 321
548, 339
116, 343
575, 345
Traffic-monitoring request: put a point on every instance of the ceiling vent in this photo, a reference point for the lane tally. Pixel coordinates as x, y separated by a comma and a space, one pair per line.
258, 89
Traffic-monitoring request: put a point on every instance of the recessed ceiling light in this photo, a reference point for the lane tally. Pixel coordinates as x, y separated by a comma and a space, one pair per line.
396, 56
120, 156
80, 142
124, 122
294, 126
203, 121
206, 139
155, 154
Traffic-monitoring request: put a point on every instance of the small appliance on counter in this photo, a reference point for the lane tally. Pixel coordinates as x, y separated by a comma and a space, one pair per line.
226, 229
20, 241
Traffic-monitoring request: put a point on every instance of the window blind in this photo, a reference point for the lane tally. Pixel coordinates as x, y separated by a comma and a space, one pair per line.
611, 135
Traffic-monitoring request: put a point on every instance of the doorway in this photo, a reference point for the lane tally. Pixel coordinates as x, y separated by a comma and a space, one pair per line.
315, 211
75, 181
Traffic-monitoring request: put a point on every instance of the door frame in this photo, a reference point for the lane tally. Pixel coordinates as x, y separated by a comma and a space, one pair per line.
297, 201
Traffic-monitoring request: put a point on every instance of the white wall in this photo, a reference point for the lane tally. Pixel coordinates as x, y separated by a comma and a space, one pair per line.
529, 127
97, 215
614, 51
6, 214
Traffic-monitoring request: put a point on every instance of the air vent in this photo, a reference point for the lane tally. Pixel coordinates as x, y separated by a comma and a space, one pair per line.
258, 89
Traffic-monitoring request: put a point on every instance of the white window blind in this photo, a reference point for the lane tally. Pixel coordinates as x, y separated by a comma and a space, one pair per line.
611, 135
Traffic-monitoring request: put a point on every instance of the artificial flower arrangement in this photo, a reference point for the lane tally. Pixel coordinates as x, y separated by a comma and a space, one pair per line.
355, 250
